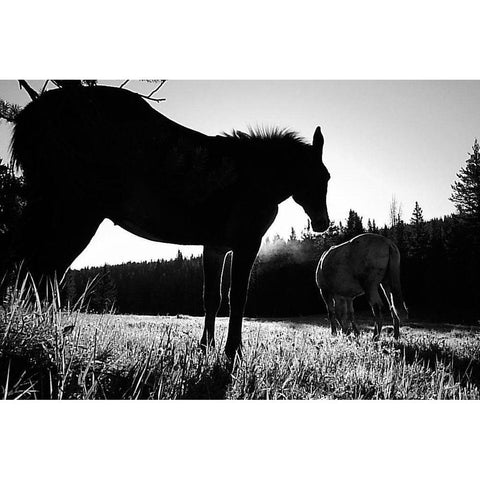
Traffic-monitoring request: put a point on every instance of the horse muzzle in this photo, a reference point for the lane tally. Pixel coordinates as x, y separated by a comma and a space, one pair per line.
320, 225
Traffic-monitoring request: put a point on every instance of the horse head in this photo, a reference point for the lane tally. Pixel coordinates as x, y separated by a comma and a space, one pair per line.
311, 190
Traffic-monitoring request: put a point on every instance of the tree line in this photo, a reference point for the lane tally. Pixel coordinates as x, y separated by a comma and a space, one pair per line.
439, 274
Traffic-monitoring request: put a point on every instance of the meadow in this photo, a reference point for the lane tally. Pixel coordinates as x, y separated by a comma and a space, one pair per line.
47, 352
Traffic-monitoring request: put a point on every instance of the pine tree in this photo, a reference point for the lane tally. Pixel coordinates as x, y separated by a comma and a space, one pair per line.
293, 236
466, 190
418, 234
11, 197
417, 216
307, 232
354, 225
372, 226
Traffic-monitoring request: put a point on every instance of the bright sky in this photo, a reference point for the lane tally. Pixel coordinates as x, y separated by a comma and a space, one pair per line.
382, 138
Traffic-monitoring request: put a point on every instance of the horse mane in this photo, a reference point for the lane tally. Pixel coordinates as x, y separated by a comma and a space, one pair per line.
268, 135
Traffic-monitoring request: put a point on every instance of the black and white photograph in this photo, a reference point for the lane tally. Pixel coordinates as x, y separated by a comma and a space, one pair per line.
149, 254
239, 240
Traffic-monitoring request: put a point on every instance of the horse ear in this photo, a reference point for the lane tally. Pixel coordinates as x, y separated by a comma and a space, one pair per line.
318, 140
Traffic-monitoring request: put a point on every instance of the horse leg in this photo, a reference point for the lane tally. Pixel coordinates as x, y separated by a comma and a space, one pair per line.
242, 262
330, 304
213, 264
351, 317
375, 303
341, 313
396, 320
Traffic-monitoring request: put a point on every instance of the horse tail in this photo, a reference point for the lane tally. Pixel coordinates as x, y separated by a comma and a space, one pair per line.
393, 278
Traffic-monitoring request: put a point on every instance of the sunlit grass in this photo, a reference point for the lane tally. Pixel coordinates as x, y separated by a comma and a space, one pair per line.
46, 352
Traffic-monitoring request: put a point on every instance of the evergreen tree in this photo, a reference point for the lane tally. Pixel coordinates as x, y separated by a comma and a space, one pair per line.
466, 190
354, 225
417, 216
11, 201
418, 238
372, 226
293, 235
307, 232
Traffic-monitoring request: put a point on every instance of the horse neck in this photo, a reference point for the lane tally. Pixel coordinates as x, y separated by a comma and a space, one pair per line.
266, 171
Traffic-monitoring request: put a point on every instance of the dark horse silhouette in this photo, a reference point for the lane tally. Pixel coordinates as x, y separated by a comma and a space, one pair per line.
91, 153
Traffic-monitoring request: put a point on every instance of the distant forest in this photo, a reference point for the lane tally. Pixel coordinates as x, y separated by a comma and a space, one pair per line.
440, 273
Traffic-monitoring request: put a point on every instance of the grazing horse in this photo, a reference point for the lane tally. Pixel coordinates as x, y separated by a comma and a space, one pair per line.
359, 267
90, 153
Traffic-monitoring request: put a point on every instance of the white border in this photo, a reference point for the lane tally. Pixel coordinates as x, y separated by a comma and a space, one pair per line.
259, 39
248, 39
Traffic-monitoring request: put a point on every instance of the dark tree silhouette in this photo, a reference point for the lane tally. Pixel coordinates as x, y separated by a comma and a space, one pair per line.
8, 111
417, 233
466, 190
417, 216
11, 201
372, 226
354, 225
293, 235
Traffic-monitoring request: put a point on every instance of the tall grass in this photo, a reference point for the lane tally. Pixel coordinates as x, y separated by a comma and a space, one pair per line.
50, 352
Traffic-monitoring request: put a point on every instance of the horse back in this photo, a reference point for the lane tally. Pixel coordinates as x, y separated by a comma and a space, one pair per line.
351, 267
95, 141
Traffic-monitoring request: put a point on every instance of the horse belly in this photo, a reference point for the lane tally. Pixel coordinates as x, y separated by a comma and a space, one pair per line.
337, 274
184, 231
173, 224
349, 288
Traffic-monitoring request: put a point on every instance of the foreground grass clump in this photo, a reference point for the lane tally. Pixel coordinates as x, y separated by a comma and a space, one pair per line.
49, 353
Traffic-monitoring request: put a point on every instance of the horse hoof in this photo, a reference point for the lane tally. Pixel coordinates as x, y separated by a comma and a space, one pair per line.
232, 353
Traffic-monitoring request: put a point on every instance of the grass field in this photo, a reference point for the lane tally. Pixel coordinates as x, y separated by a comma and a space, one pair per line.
54, 354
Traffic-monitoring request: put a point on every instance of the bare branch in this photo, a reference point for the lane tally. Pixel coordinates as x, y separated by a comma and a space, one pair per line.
160, 85
124, 83
152, 99
44, 86
31, 92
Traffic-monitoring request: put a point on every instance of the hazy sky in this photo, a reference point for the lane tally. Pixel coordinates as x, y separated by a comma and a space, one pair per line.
382, 138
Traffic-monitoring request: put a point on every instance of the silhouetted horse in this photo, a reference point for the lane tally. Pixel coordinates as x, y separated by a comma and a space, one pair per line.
359, 267
91, 153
